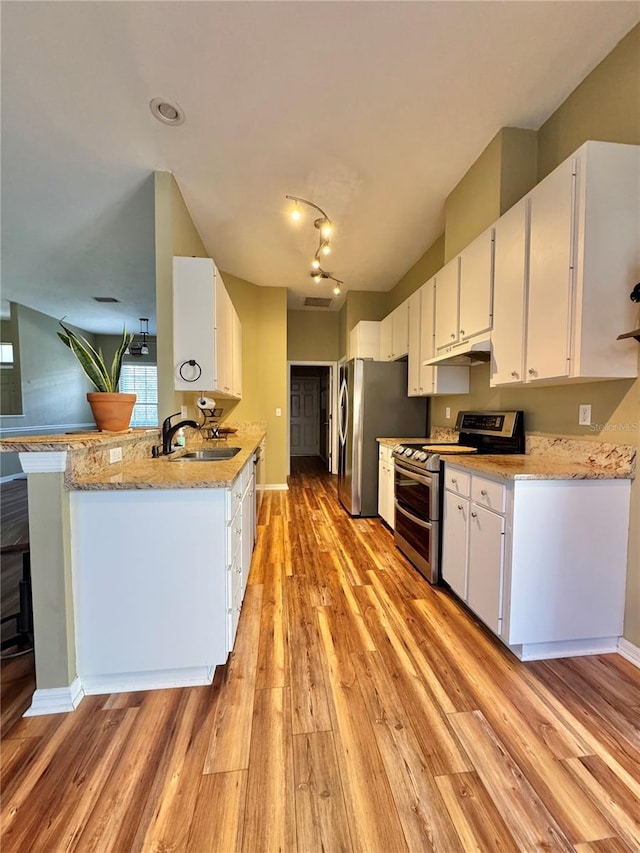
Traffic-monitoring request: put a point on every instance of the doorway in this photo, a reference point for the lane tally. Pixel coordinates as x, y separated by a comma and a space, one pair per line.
311, 406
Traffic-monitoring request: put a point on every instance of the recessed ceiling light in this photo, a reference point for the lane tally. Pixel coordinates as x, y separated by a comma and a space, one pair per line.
166, 112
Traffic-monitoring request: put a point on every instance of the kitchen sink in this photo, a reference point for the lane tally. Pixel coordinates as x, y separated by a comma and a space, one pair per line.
211, 454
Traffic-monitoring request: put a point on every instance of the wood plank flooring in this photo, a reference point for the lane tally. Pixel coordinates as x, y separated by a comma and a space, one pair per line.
362, 710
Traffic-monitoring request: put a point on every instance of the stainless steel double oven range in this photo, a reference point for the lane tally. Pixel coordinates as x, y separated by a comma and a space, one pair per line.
419, 473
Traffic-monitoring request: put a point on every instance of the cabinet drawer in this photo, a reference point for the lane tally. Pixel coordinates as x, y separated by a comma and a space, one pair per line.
456, 481
488, 493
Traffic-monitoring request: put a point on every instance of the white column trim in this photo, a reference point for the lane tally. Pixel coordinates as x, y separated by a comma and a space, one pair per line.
56, 700
43, 461
629, 651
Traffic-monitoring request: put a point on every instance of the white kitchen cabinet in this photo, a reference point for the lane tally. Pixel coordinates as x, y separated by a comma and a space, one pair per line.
486, 565
541, 562
422, 379
236, 381
386, 506
464, 293
455, 546
364, 340
476, 286
584, 221
204, 349
447, 318
510, 284
178, 589
394, 333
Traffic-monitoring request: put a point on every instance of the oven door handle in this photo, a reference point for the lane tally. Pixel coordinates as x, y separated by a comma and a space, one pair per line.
426, 524
412, 475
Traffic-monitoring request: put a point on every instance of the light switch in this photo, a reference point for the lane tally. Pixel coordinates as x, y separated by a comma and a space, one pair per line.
115, 454
447, 412
278, 412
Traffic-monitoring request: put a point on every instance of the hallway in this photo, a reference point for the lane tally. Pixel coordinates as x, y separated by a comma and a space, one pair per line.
361, 710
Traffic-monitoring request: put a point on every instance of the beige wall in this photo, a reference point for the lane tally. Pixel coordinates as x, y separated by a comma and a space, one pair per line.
312, 336
423, 269
605, 106
263, 314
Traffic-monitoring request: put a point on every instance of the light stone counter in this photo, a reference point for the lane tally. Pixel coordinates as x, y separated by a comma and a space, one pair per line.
536, 467
169, 472
391, 442
88, 467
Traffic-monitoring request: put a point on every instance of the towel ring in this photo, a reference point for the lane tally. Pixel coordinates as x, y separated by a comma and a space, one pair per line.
192, 363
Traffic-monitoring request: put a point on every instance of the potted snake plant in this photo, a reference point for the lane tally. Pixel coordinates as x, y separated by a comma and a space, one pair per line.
111, 409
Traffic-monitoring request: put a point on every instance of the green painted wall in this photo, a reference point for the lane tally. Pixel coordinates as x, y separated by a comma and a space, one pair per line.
423, 269
605, 106
263, 314
312, 336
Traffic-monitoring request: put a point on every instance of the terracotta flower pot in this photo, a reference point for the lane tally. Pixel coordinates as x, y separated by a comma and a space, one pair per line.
111, 412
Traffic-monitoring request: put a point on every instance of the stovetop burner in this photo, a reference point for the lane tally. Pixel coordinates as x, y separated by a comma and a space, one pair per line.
478, 432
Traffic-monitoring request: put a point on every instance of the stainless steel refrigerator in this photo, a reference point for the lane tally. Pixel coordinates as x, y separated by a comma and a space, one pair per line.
372, 403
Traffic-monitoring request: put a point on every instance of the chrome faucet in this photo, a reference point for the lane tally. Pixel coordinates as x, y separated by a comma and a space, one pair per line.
169, 430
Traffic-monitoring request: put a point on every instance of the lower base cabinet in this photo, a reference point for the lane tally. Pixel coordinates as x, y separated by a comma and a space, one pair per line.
541, 562
159, 576
386, 505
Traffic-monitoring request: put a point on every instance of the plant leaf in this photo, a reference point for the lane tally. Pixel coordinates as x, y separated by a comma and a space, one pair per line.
90, 360
116, 365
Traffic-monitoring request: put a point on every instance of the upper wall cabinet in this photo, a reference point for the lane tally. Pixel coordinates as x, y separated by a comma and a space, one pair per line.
464, 290
575, 257
423, 380
394, 333
207, 336
364, 340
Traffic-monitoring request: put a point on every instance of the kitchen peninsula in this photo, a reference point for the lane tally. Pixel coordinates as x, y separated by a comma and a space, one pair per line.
138, 566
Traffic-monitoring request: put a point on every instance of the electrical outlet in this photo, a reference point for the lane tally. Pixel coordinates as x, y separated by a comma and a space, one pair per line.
584, 414
115, 454
447, 412
278, 412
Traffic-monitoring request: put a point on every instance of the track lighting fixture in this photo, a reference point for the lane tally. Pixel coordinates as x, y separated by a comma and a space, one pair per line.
325, 229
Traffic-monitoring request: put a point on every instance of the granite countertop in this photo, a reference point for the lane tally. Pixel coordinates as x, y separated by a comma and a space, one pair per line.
536, 467
391, 442
168, 472
83, 439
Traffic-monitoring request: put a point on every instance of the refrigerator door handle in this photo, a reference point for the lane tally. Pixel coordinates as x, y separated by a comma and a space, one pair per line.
343, 405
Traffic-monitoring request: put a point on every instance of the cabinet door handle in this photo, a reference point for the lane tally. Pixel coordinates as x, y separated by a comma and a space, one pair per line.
533, 371
453, 480
474, 515
483, 492
460, 507
462, 331
515, 374
453, 334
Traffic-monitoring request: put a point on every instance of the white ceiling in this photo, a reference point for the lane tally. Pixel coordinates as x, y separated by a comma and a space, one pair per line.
373, 110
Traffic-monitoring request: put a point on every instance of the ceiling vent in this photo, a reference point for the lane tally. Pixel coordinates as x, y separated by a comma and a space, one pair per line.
317, 301
106, 299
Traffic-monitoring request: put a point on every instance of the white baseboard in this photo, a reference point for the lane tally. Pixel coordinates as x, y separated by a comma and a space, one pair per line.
9, 477
127, 682
566, 648
629, 651
56, 700
276, 487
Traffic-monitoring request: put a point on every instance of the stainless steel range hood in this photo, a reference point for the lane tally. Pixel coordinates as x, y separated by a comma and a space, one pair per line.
467, 353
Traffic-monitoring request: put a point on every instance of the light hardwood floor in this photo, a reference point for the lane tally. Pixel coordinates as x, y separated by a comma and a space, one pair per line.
361, 710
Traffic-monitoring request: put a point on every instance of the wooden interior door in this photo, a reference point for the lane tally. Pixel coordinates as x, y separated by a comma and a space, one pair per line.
305, 416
